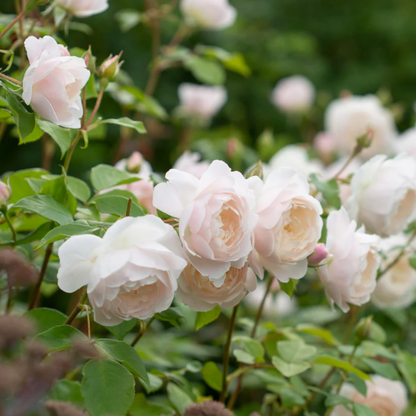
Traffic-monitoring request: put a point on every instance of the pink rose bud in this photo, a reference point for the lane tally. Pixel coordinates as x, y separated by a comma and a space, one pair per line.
5, 193
325, 144
365, 140
134, 162
320, 253
111, 67
234, 147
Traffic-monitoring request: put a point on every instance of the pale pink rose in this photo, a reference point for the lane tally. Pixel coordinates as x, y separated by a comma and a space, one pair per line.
350, 274
142, 189
397, 287
320, 253
295, 94
191, 163
130, 273
385, 397
84, 8
348, 118
200, 100
216, 217
209, 14
406, 143
53, 82
383, 194
325, 144
5, 193
289, 225
202, 295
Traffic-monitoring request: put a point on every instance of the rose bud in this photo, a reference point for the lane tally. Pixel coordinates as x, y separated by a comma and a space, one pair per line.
320, 254
111, 67
5, 193
134, 163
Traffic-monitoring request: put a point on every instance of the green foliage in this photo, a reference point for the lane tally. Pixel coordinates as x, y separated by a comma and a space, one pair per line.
60, 337
212, 375
104, 177
205, 318
45, 318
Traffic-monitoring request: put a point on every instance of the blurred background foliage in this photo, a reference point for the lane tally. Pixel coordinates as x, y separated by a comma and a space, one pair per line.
362, 47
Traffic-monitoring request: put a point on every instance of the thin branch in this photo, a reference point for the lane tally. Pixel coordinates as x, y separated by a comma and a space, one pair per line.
96, 108
76, 310
129, 207
10, 25
88, 321
10, 79
143, 329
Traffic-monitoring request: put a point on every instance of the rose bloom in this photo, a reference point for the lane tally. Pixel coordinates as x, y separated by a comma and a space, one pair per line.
395, 288
84, 8
289, 225
383, 194
406, 143
53, 82
200, 100
385, 397
209, 14
216, 217
348, 118
350, 274
142, 189
295, 94
130, 273
191, 163
295, 157
202, 295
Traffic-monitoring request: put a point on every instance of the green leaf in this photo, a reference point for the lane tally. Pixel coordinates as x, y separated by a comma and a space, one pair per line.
19, 184
61, 136
212, 375
78, 188
361, 410
155, 383
25, 120
47, 207
128, 19
291, 398
412, 261
117, 205
205, 70
295, 351
333, 400
344, 365
56, 188
329, 190
107, 388
121, 330
289, 287
290, 369
205, 318
60, 337
45, 318
142, 407
252, 347
67, 391
359, 384
36, 235
104, 177
127, 355
385, 370
65, 231
178, 398
127, 122
319, 332
172, 315
407, 366
244, 357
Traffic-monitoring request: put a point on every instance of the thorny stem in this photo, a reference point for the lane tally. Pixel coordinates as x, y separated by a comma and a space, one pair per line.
77, 309
234, 396
36, 290
226, 360
143, 329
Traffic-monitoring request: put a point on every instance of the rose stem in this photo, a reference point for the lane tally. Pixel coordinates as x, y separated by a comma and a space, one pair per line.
143, 328
76, 310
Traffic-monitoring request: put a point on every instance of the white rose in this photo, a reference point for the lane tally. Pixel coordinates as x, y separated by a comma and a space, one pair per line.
349, 274
383, 194
191, 163
295, 94
209, 14
348, 118
385, 397
200, 100
216, 217
130, 273
289, 225
396, 288
406, 143
84, 8
295, 157
202, 295
53, 82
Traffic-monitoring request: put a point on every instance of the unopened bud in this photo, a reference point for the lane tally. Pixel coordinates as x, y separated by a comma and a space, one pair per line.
266, 145
364, 141
135, 162
5, 193
325, 144
234, 148
320, 254
90, 60
111, 67
256, 170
